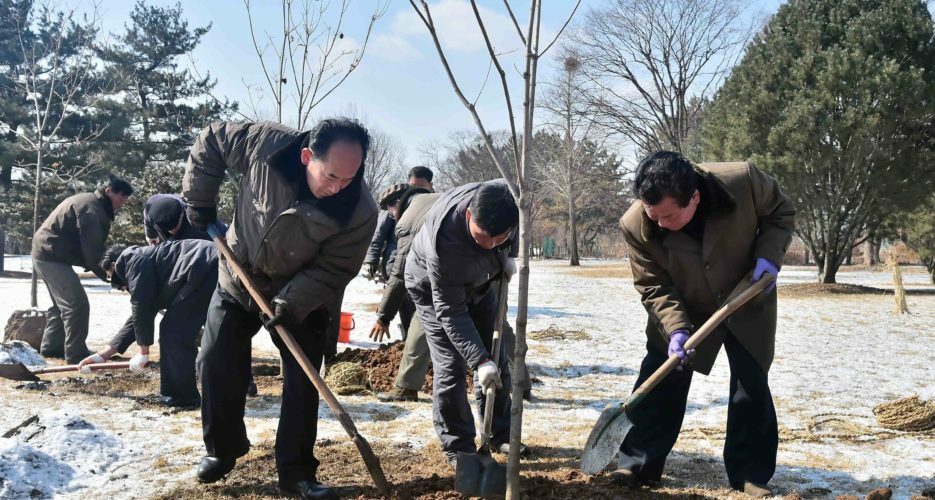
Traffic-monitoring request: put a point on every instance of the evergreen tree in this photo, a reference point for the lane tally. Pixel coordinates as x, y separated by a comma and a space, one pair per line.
835, 98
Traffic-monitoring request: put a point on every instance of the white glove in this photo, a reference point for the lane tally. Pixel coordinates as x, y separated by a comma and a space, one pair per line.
138, 362
509, 268
488, 375
85, 369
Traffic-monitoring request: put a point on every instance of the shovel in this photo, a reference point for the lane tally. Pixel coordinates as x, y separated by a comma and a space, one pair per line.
478, 474
366, 452
613, 425
19, 372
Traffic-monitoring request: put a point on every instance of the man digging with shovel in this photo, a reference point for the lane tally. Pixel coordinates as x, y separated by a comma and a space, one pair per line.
465, 247
301, 226
694, 235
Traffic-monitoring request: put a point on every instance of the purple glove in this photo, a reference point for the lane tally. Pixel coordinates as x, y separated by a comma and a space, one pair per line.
677, 346
765, 266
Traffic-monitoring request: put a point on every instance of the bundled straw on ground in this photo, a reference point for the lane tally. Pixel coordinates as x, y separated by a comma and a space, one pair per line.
909, 414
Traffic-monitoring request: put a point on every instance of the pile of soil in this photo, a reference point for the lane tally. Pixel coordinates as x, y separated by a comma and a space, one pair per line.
816, 289
382, 364
26, 325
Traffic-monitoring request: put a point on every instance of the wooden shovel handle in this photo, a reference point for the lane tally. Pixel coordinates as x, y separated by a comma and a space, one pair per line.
495, 344
73, 368
370, 459
698, 337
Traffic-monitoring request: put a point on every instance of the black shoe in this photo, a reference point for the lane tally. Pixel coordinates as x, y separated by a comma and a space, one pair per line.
625, 477
53, 354
307, 488
174, 402
527, 395
251, 389
212, 469
524, 451
398, 394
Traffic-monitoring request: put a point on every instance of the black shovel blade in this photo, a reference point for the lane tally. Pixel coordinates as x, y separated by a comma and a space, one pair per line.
17, 371
606, 437
479, 475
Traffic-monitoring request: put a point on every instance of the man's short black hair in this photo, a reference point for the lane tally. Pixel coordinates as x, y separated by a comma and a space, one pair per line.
331, 130
421, 172
118, 185
665, 173
109, 259
494, 209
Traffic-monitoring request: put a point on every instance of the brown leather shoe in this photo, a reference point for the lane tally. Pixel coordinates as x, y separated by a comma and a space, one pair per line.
625, 477
756, 490
398, 394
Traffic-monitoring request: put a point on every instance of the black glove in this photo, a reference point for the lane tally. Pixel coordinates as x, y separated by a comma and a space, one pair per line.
281, 315
202, 217
371, 272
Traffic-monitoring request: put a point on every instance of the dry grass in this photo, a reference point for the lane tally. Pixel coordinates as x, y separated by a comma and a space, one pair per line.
614, 270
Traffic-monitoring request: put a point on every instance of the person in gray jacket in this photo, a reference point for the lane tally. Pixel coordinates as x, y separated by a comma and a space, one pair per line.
466, 246
301, 226
180, 277
74, 234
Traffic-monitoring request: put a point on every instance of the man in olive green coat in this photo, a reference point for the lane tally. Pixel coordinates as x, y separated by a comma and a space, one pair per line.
74, 234
302, 223
696, 235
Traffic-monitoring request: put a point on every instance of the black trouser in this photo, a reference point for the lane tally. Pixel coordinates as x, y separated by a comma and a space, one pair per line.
752, 431
177, 346
225, 366
451, 411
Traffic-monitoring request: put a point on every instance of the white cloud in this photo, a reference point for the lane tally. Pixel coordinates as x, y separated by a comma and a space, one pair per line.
393, 48
457, 27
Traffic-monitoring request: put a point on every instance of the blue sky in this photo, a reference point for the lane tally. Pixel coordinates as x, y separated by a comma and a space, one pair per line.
400, 87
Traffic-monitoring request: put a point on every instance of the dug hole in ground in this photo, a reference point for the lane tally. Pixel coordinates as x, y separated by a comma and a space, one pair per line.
838, 355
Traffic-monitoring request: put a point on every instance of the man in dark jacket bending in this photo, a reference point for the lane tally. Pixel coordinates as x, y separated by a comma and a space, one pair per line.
301, 226
465, 247
180, 277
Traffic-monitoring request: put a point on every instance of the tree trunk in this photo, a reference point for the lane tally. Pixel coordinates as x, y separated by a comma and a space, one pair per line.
828, 269
867, 249
807, 256
2, 247
848, 259
875, 250
573, 233
34, 285
519, 353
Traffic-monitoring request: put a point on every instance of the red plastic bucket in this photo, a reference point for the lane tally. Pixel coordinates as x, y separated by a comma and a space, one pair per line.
347, 324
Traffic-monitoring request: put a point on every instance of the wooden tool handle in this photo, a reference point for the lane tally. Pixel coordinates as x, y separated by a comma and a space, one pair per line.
372, 462
491, 393
709, 326
73, 368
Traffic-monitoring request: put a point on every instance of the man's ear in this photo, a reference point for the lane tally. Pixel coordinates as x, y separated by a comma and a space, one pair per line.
307, 156
468, 215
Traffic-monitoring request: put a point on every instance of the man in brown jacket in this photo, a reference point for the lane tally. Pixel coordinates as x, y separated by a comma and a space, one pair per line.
695, 235
301, 226
74, 234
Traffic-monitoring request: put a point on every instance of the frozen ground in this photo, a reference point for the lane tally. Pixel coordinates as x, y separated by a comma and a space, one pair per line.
836, 358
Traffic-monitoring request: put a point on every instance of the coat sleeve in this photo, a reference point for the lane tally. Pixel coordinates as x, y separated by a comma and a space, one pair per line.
776, 215
395, 292
143, 299
659, 294
125, 337
338, 261
220, 146
148, 227
93, 227
450, 302
380, 237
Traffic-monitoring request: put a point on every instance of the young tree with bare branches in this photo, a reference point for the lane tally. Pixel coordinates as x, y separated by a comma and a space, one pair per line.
646, 59
520, 140
304, 59
58, 77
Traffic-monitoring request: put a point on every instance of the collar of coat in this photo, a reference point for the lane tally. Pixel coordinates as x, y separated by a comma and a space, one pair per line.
716, 201
105, 202
288, 162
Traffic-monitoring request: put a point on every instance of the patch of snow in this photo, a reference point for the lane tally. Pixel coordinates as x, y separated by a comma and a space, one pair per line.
60, 453
17, 351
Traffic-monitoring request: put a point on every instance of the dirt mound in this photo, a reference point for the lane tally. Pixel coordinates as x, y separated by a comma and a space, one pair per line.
381, 365
816, 289
26, 325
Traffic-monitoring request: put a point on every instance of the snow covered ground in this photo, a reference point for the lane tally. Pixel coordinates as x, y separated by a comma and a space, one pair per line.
836, 358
